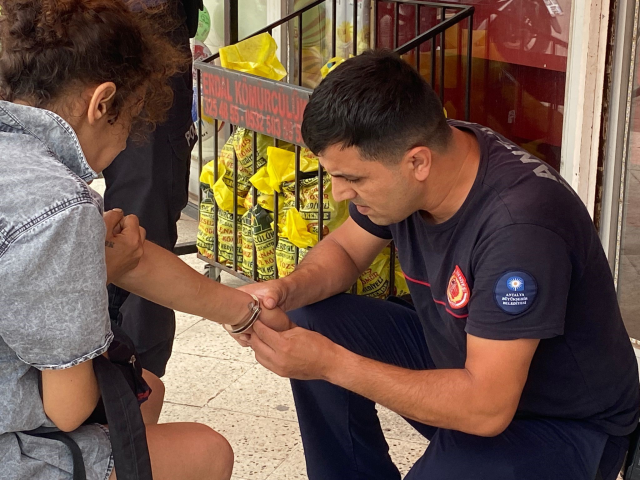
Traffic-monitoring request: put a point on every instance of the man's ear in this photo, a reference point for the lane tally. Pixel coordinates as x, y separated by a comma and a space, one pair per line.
100, 102
419, 160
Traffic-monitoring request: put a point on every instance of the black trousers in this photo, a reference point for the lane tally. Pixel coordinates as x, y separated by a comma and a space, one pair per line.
343, 439
151, 180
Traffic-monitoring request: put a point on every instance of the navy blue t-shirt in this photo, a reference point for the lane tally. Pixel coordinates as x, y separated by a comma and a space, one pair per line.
522, 259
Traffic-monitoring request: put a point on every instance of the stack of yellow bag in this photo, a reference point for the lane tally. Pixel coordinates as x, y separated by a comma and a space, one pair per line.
375, 281
274, 173
256, 55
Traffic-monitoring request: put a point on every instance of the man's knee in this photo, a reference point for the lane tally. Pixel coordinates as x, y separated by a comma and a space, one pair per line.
320, 317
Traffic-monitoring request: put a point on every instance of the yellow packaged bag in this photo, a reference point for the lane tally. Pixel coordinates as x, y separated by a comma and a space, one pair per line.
265, 201
255, 55
264, 240
331, 65
206, 225
286, 256
247, 244
376, 280
293, 233
400, 288
240, 142
334, 213
225, 238
281, 165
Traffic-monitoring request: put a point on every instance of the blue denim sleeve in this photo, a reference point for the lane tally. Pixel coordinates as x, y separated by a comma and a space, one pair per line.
54, 307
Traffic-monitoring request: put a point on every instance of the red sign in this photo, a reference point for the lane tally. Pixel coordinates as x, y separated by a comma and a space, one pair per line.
265, 106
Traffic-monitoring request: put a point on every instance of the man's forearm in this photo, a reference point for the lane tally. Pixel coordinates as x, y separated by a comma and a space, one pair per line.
447, 398
326, 271
163, 278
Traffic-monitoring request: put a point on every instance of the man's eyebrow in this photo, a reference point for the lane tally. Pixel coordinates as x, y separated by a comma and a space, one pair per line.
344, 175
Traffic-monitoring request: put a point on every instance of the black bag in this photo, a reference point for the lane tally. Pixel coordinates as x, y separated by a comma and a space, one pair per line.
122, 354
192, 10
123, 390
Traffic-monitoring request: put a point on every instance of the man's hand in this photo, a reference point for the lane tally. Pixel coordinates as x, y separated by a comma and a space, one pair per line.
272, 294
276, 319
123, 243
296, 353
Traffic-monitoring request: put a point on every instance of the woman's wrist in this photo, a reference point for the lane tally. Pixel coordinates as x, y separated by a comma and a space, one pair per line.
243, 307
250, 318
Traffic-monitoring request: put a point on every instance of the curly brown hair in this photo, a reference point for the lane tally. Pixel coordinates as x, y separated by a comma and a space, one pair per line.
50, 47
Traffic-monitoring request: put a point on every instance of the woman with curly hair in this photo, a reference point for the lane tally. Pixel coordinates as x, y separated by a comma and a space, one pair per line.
77, 79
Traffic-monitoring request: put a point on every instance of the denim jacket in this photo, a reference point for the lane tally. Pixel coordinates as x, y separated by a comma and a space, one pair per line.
53, 297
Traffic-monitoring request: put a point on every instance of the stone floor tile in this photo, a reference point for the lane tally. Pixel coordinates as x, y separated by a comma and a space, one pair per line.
293, 468
184, 322
192, 259
195, 380
209, 339
260, 444
259, 392
396, 427
173, 412
187, 229
405, 454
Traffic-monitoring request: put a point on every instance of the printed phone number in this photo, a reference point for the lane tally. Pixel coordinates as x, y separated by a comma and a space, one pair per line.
273, 126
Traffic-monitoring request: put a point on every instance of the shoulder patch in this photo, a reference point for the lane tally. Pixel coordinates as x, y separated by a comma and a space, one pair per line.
515, 292
458, 292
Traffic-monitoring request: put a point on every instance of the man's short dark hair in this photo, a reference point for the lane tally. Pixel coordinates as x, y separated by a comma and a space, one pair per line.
378, 103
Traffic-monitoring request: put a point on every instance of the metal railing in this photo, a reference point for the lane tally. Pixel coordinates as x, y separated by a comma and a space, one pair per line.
219, 98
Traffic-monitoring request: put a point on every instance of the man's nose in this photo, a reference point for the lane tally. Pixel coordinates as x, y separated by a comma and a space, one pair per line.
342, 191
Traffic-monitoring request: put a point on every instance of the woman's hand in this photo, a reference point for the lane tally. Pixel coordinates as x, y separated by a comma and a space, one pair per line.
123, 243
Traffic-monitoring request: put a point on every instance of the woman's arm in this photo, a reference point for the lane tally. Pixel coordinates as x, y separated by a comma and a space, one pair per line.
70, 395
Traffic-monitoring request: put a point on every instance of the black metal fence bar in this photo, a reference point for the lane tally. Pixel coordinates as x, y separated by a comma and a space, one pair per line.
442, 55
253, 204
320, 202
300, 50
297, 194
433, 62
354, 37
334, 27
417, 32
215, 204
396, 16
199, 107
276, 217
467, 93
464, 12
235, 206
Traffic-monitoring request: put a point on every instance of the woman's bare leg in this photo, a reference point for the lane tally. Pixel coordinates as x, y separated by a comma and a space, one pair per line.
153, 406
188, 451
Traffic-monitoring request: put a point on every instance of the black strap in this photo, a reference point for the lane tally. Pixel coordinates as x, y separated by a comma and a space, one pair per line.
79, 472
126, 427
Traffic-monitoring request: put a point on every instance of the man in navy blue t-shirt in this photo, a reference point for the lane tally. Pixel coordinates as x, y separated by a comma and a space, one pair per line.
514, 361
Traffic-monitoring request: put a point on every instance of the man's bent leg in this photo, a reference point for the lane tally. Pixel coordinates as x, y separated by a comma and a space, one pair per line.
529, 449
341, 432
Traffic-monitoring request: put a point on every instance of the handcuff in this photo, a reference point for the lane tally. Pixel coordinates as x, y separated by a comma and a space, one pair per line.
247, 322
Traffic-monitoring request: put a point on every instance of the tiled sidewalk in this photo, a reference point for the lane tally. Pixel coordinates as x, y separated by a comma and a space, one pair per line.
211, 379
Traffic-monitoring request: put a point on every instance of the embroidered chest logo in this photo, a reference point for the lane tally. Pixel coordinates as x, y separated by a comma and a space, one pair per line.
458, 292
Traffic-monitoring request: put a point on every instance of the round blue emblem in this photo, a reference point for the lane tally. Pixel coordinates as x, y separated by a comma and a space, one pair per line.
515, 292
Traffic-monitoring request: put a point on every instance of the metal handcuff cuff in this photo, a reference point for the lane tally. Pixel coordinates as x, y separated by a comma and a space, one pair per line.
247, 323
